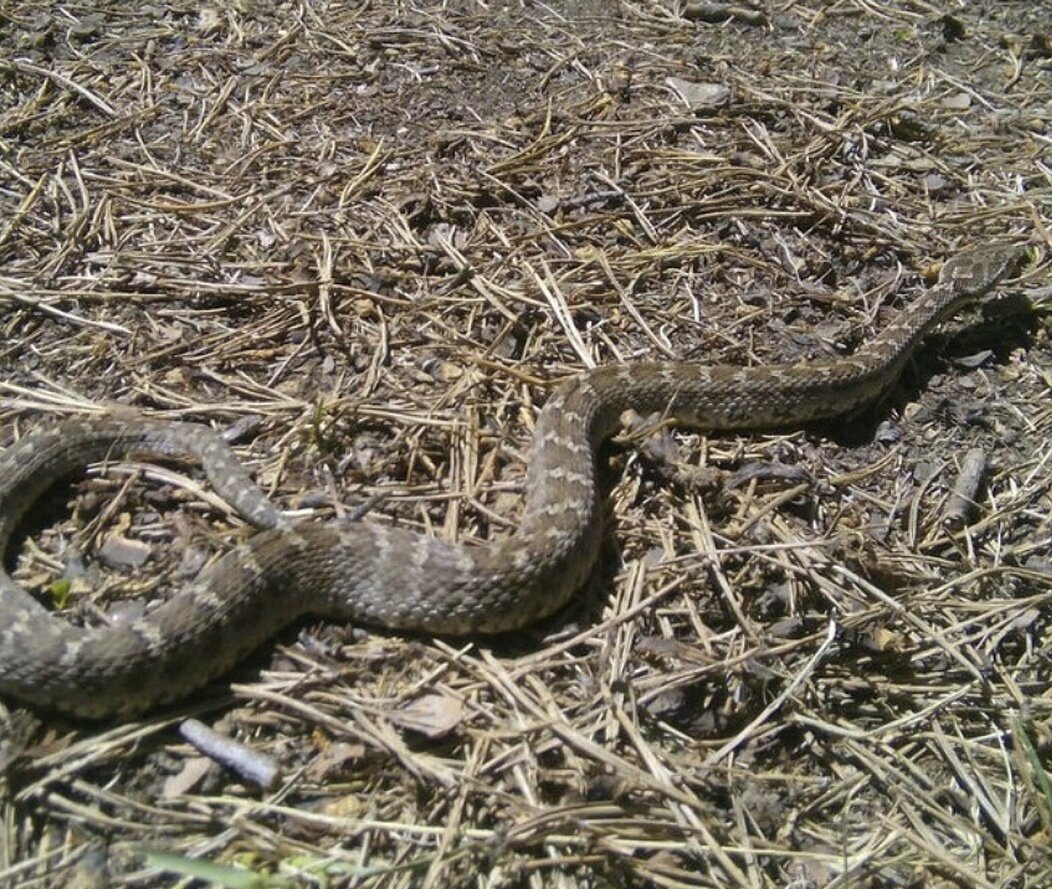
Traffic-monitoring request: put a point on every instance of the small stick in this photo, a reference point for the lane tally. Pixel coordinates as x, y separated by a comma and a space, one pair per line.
962, 502
259, 768
718, 13
27, 67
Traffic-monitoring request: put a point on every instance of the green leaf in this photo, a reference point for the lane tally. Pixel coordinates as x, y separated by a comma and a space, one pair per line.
59, 593
216, 874
1040, 775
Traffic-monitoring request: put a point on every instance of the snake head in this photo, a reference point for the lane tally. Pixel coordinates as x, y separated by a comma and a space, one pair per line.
974, 272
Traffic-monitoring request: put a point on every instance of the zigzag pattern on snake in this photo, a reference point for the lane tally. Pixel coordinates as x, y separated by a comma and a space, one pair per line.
393, 577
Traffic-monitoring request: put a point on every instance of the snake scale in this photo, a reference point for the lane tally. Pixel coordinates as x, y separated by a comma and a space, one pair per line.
393, 577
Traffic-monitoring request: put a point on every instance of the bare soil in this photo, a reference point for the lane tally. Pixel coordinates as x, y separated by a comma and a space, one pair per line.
365, 240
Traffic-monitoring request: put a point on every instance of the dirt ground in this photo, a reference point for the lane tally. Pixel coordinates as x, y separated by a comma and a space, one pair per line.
364, 241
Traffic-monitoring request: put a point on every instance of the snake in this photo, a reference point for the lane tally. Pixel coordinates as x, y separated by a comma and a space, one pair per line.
393, 577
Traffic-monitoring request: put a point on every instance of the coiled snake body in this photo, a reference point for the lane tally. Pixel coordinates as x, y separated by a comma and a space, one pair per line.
392, 577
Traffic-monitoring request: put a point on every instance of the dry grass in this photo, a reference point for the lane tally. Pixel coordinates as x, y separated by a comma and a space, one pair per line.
367, 238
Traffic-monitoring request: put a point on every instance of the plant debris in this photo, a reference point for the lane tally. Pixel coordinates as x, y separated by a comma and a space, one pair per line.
368, 239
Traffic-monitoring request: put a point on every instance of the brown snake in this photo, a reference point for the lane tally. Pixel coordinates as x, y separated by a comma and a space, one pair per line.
392, 577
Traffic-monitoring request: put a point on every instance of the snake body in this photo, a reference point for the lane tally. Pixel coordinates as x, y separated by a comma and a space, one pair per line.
393, 577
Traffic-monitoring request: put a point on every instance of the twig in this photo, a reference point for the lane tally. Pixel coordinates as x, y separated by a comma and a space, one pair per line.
28, 67
259, 768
